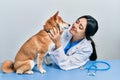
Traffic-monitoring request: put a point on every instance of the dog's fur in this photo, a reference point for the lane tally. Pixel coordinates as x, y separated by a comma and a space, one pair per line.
35, 47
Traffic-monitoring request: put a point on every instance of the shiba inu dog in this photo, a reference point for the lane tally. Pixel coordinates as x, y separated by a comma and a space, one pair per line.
35, 47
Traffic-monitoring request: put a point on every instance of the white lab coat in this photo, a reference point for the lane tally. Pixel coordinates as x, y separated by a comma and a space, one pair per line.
75, 57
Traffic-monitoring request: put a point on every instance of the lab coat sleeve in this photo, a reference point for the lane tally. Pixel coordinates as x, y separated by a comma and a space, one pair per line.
67, 62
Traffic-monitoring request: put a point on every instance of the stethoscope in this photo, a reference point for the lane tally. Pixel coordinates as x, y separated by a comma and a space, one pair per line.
93, 68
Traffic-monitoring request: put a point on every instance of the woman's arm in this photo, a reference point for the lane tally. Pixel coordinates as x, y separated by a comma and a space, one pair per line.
66, 62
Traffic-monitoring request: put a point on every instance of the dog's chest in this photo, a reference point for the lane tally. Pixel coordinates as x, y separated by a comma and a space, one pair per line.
51, 47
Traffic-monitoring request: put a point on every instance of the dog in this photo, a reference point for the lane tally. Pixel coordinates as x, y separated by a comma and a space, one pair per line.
35, 47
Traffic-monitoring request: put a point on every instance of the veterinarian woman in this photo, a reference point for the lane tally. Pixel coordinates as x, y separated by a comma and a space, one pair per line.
75, 46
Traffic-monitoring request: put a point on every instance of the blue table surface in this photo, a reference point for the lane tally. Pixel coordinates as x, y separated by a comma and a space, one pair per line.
55, 73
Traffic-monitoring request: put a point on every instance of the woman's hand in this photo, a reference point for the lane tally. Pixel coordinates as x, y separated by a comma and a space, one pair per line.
55, 35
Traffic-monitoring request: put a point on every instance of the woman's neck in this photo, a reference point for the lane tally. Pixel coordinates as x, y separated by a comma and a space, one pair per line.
77, 38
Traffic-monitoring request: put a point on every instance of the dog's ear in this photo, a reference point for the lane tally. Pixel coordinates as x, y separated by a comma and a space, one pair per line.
55, 15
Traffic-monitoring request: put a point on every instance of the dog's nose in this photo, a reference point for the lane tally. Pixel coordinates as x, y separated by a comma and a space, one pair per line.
68, 24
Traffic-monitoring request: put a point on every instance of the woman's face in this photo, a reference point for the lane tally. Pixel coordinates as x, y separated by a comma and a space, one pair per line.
78, 27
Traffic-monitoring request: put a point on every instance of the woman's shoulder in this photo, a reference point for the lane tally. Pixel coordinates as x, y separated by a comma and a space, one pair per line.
66, 33
85, 43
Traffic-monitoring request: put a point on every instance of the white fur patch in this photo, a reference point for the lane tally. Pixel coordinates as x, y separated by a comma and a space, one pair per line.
51, 46
32, 64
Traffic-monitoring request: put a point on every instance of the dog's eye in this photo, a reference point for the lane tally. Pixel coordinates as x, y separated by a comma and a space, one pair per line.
61, 21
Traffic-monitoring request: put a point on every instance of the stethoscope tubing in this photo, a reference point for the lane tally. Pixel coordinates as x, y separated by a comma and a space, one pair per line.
93, 66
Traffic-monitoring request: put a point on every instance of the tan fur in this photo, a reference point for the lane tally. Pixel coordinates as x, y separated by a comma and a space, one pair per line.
37, 44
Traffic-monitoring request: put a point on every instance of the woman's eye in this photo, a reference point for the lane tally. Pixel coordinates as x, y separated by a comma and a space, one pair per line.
81, 27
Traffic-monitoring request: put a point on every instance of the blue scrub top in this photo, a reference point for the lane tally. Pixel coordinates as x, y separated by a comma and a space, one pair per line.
70, 44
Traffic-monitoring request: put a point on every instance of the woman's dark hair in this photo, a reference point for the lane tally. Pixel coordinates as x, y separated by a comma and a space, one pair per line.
91, 29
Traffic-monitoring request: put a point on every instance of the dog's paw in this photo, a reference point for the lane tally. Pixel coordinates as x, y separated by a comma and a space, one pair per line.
42, 71
29, 72
48, 60
50, 64
19, 72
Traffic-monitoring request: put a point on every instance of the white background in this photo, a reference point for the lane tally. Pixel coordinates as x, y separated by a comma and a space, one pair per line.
20, 19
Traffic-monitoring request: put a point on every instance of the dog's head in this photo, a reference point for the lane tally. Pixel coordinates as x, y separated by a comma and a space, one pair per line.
55, 21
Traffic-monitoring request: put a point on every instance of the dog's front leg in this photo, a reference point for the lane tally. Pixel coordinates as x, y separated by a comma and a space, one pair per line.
39, 63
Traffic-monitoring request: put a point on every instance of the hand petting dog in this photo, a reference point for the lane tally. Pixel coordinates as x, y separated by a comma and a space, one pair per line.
55, 35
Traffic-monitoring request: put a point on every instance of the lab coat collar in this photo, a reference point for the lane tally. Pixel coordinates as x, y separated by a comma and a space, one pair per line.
74, 48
